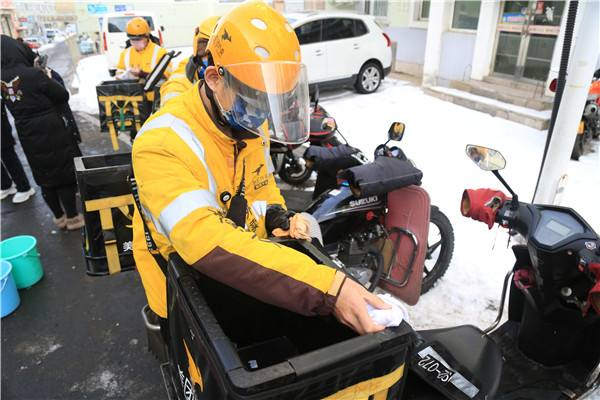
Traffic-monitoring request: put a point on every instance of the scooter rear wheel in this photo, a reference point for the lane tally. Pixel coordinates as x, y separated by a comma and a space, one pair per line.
440, 246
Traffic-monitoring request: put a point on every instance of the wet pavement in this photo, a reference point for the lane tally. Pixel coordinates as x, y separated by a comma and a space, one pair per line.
76, 336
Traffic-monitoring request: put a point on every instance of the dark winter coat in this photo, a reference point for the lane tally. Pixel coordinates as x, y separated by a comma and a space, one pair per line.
35, 100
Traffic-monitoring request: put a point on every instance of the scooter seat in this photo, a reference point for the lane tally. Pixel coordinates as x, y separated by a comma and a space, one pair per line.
474, 353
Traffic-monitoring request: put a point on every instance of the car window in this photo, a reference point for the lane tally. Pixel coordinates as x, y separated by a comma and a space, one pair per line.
309, 32
360, 28
119, 24
338, 28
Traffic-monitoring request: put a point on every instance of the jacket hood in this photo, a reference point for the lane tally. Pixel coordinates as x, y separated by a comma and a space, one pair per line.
15, 52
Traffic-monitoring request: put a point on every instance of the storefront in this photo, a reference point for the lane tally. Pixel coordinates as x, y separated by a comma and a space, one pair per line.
526, 35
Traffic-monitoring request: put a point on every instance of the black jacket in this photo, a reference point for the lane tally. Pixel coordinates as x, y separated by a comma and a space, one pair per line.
36, 102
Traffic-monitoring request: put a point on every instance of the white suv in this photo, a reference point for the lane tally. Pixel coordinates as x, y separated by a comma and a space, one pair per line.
343, 49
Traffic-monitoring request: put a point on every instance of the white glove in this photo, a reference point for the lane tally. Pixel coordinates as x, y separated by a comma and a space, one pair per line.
390, 317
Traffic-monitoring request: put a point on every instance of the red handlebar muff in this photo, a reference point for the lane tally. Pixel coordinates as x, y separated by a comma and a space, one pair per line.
482, 204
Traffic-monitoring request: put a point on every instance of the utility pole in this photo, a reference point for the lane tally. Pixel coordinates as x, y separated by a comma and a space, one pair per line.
583, 60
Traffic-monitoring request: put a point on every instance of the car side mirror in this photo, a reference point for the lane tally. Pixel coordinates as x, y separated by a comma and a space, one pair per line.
329, 124
553, 84
396, 131
487, 159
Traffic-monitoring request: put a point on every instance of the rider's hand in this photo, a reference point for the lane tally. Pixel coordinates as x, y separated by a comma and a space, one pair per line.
135, 71
351, 307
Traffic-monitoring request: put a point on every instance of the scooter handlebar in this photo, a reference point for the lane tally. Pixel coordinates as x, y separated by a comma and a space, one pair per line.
483, 205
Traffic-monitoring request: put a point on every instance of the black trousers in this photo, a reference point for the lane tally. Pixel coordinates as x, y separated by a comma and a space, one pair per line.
12, 171
59, 198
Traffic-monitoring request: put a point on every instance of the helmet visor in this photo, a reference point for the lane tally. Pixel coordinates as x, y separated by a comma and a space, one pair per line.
271, 99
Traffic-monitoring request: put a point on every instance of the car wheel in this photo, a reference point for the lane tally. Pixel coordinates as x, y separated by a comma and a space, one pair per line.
369, 78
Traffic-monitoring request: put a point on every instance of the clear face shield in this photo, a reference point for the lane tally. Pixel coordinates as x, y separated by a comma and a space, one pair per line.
274, 102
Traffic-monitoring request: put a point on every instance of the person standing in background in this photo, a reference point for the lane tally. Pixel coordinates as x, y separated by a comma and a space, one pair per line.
34, 100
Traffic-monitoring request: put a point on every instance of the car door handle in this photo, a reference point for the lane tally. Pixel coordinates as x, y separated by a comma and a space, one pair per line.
319, 52
356, 46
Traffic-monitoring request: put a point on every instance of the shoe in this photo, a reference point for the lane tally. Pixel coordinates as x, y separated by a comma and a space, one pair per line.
22, 197
61, 223
75, 223
7, 192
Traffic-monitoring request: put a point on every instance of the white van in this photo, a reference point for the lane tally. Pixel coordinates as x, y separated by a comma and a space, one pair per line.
114, 36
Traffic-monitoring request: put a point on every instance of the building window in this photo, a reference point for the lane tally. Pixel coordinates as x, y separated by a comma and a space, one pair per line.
424, 10
466, 14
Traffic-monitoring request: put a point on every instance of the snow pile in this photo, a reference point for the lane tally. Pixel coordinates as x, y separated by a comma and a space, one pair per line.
90, 72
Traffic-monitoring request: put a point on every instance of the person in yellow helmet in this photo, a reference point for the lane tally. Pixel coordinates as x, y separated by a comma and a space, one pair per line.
192, 69
206, 184
138, 59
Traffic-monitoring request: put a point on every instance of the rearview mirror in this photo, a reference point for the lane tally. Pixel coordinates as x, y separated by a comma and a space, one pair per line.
329, 124
487, 159
396, 131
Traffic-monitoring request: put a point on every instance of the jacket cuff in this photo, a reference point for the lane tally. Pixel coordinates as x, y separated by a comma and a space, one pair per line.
330, 298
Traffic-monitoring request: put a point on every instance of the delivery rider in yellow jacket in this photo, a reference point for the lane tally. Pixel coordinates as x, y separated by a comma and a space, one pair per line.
210, 144
139, 59
190, 70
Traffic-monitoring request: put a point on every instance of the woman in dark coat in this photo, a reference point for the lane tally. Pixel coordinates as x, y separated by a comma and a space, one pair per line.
34, 100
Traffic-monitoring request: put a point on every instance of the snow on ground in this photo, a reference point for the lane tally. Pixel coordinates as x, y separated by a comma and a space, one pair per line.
90, 72
435, 139
436, 135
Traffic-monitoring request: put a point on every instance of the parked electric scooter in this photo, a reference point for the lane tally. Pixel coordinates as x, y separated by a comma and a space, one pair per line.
549, 346
354, 223
589, 126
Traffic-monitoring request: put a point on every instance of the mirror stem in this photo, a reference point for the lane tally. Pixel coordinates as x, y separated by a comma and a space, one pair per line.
515, 198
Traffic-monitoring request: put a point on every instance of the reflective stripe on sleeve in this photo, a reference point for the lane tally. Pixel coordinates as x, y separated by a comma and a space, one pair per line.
184, 205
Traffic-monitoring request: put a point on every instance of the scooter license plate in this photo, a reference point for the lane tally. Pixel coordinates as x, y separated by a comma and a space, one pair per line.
442, 374
435, 367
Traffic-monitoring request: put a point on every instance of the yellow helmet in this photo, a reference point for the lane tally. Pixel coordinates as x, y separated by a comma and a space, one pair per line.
203, 31
257, 53
137, 28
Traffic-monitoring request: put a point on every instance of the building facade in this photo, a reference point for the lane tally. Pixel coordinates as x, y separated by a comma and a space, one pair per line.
9, 24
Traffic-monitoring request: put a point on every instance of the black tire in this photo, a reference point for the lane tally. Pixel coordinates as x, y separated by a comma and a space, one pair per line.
577, 148
295, 175
441, 250
369, 78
